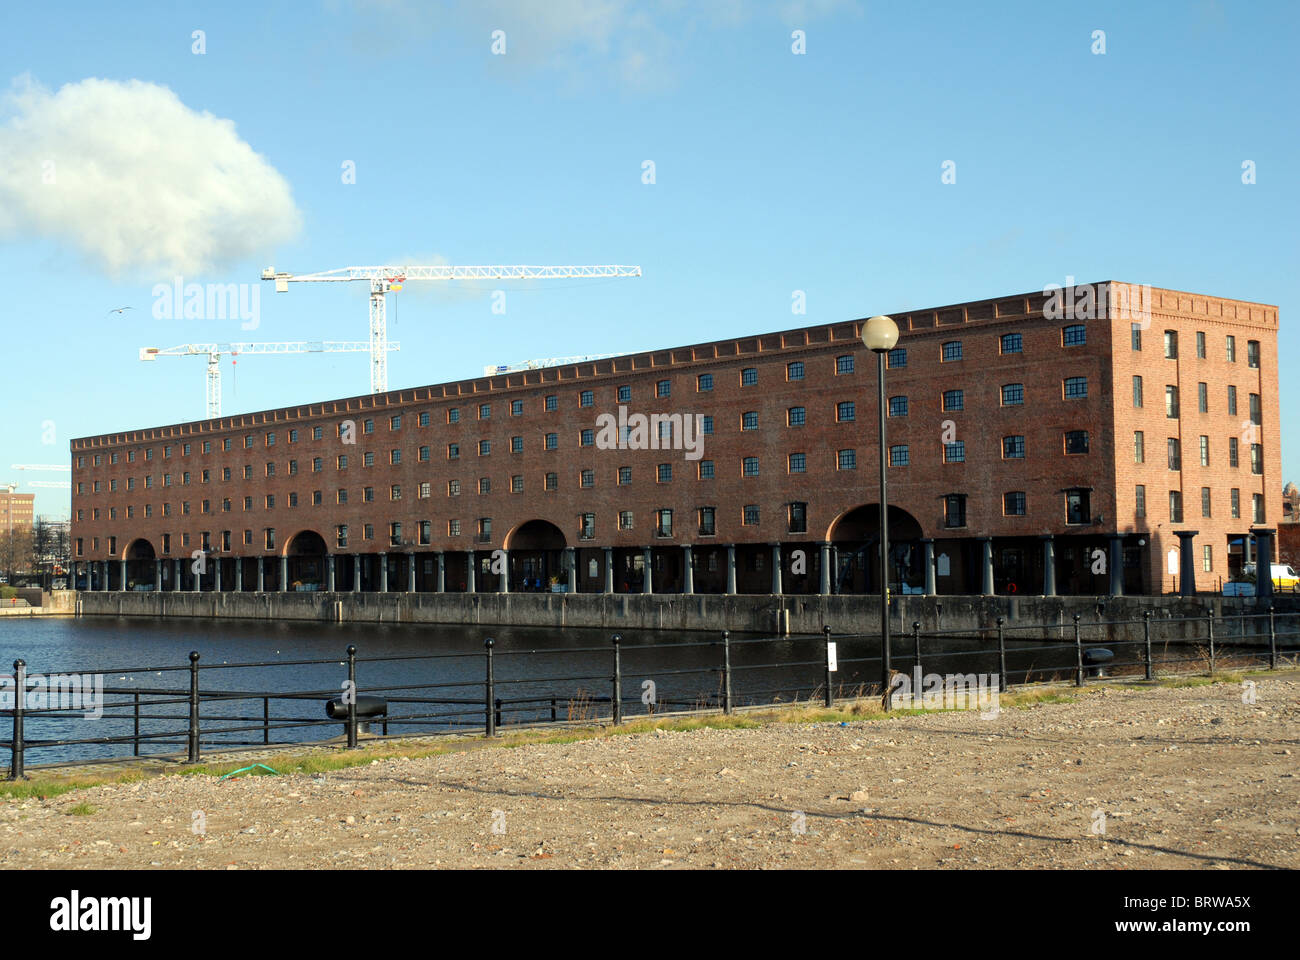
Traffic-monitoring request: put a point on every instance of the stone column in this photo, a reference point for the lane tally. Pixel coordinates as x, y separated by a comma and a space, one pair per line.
573, 569
356, 573
731, 569
1116, 565
216, 580
928, 544
1049, 565
609, 569
122, 569
469, 572
157, 576
383, 572
410, 572
442, 572
824, 585
329, 573
503, 585
776, 570
177, 570
688, 574
986, 565
1264, 563
1187, 563
239, 574
1245, 547
284, 574
647, 579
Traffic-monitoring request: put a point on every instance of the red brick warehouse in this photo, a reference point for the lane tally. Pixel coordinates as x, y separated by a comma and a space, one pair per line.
1027, 434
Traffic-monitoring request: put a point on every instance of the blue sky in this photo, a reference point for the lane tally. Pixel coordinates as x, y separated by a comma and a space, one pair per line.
774, 172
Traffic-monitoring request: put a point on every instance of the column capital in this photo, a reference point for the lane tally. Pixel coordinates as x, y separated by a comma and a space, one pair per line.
1047, 536
1183, 534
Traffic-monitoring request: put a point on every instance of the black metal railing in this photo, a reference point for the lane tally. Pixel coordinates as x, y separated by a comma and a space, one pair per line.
207, 710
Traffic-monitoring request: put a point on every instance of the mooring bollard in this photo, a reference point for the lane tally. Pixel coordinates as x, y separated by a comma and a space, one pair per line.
1146, 640
194, 708
352, 700
1078, 654
20, 696
826, 633
1002, 656
1209, 622
616, 696
726, 671
490, 691
1272, 640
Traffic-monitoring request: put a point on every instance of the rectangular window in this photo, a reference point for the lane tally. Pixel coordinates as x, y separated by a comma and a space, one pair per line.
1175, 454
552, 441
625, 519
1231, 347
624, 476
846, 460
708, 527
951, 351
1175, 506
485, 448
368, 494
517, 408
844, 364
422, 419
954, 400
1252, 354
749, 515
704, 382
954, 510
1078, 506
1171, 344
395, 422
749, 466
453, 451
845, 412
1136, 336
1205, 451
453, 415
484, 485
1232, 400
706, 425
795, 416
587, 530
665, 473
1205, 501
394, 456
552, 481
368, 426
663, 523
1257, 458
1012, 343
485, 411
1137, 391
1200, 344
1076, 388
794, 370
516, 484
954, 452
899, 456
1013, 448
896, 358
624, 394
1140, 501
587, 398
423, 454
898, 406
453, 488
749, 376
798, 462
1013, 394
395, 492
1013, 503
1076, 441
368, 458
748, 421
1074, 335
1207, 556
1203, 397
1171, 402
453, 528
1256, 411
1257, 500
1233, 460
587, 438
1236, 503
664, 388
798, 521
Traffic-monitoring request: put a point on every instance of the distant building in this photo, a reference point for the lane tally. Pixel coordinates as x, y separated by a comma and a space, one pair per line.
17, 511
1037, 444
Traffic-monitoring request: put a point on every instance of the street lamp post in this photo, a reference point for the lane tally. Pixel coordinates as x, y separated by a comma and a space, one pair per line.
879, 334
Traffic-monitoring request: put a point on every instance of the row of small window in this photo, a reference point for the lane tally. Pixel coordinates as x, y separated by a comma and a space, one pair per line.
1230, 346
1176, 504
1077, 504
1174, 446
1202, 400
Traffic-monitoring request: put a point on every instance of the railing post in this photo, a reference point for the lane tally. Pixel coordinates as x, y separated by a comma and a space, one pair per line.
266, 719
1272, 639
135, 738
1078, 654
1002, 655
194, 708
496, 703
916, 643
1209, 621
352, 700
553, 717
20, 697
489, 690
1146, 640
617, 694
726, 671
826, 633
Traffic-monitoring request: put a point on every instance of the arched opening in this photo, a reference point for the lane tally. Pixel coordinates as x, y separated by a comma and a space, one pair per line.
855, 545
140, 565
306, 555
536, 552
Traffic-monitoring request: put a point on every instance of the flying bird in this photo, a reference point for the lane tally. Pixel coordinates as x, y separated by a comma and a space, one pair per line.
120, 309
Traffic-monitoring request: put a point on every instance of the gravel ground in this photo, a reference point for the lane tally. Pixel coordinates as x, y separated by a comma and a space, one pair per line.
1166, 778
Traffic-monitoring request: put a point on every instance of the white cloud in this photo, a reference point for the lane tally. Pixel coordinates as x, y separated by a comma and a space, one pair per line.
135, 180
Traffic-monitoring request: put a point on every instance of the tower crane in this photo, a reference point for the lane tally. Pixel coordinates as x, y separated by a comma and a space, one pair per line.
493, 369
213, 351
384, 280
